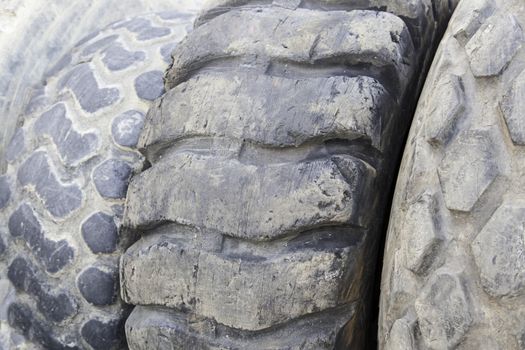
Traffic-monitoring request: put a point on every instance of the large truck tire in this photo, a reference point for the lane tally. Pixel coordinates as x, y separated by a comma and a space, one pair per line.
271, 161
62, 196
454, 271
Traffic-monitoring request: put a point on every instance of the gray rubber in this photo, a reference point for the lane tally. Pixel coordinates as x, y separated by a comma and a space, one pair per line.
271, 159
61, 199
454, 271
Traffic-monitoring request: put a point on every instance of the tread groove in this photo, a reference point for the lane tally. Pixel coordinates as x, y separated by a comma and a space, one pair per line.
251, 153
147, 322
282, 68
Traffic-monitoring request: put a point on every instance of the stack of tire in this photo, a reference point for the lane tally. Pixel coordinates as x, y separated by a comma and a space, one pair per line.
235, 187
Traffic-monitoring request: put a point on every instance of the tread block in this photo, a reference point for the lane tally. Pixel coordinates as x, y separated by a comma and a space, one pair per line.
126, 128
59, 199
494, 45
100, 233
443, 312
56, 307
150, 85
167, 329
377, 39
85, 87
72, 145
40, 98
99, 286
447, 106
208, 281
419, 15
498, 252
54, 255
513, 107
117, 58
247, 201
317, 108
104, 335
469, 19
21, 318
5, 191
463, 185
401, 285
111, 178
422, 226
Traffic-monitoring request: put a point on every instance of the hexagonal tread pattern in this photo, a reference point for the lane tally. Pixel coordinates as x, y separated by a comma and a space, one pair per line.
453, 273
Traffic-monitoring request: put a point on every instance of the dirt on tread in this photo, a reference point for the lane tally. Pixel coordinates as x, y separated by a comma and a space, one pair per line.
454, 268
244, 208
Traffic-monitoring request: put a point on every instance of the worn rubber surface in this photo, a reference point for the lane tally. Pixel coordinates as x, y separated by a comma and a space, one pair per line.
61, 199
454, 272
271, 158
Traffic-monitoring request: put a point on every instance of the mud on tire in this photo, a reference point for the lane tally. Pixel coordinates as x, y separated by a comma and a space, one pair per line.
272, 155
61, 199
454, 272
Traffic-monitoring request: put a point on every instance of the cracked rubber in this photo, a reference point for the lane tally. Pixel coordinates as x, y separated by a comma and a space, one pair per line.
61, 199
271, 158
454, 270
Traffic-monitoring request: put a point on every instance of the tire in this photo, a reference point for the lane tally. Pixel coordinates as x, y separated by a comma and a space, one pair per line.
61, 199
271, 159
454, 270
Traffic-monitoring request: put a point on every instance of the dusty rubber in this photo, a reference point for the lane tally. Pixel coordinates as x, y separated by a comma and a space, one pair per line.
271, 158
454, 271
61, 199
